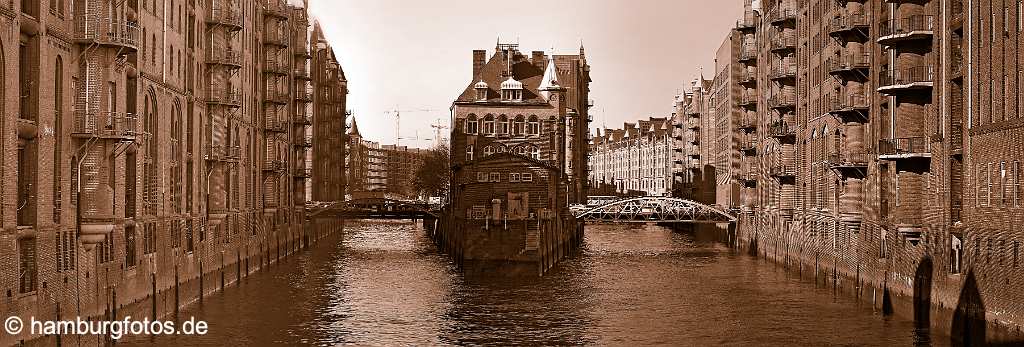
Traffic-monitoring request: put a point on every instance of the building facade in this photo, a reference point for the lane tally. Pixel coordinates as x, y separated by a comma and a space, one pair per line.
636, 159
381, 171
886, 144
150, 146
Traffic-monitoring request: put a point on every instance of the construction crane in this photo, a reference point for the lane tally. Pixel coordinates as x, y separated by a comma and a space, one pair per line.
437, 130
397, 113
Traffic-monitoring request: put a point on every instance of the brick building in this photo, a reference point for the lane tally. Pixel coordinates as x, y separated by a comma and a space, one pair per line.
527, 114
328, 135
376, 170
636, 158
165, 127
886, 148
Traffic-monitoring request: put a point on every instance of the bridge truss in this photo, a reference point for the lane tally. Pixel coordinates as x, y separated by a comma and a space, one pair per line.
653, 209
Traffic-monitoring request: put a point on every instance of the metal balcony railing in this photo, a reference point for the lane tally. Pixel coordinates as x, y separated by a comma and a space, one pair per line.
849, 159
748, 77
746, 122
116, 125
904, 147
276, 97
916, 25
275, 38
848, 23
228, 97
220, 56
118, 31
304, 94
276, 8
303, 172
912, 77
225, 15
783, 42
782, 14
781, 128
782, 101
303, 119
305, 141
782, 170
301, 73
748, 146
693, 123
746, 24
273, 124
783, 71
223, 153
748, 100
748, 53
848, 62
847, 103
274, 66
273, 165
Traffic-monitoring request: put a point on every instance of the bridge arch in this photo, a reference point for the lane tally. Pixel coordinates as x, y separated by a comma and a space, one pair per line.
654, 209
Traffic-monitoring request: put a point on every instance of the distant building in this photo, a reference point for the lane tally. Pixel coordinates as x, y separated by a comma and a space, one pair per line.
636, 159
376, 170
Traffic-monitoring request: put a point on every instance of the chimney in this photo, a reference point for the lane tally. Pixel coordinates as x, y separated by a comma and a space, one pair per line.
479, 56
537, 58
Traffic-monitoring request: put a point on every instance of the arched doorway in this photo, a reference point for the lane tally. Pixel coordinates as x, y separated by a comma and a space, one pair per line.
923, 293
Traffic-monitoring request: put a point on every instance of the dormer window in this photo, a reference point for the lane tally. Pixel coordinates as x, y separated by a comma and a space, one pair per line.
511, 90
481, 90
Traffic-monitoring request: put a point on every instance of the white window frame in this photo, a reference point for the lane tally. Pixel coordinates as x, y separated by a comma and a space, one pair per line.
526, 177
513, 177
469, 152
472, 126
481, 177
494, 177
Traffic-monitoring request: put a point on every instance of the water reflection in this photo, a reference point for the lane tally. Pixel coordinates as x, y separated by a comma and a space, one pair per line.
385, 284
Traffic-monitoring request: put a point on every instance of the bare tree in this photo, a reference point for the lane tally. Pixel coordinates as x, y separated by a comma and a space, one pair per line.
432, 178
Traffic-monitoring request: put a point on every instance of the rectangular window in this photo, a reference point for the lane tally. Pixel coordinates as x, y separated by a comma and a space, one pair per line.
481, 177
527, 177
469, 152
1016, 183
977, 184
513, 177
988, 178
1016, 252
1002, 184
495, 177
27, 265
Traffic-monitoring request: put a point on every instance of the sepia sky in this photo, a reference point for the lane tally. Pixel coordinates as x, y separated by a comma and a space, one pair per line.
416, 55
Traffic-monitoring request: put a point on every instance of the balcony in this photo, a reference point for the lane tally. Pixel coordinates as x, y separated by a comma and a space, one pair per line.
225, 16
106, 125
273, 124
748, 147
781, 129
783, 72
226, 97
849, 108
273, 165
782, 171
783, 43
275, 67
856, 64
303, 119
748, 78
781, 15
746, 123
917, 27
849, 25
302, 173
908, 79
745, 25
904, 148
748, 101
748, 55
693, 123
276, 9
114, 32
302, 74
746, 177
305, 141
275, 38
222, 153
850, 164
784, 102
229, 58
304, 95
693, 151
276, 97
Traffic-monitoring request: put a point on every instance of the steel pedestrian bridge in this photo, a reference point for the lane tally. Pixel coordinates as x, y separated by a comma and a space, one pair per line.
649, 209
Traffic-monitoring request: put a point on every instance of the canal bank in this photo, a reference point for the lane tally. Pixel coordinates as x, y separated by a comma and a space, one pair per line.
899, 279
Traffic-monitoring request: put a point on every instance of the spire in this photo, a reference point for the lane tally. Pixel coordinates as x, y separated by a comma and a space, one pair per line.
550, 79
582, 55
354, 130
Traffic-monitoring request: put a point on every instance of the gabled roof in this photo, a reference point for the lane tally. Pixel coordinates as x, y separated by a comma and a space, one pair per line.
524, 70
354, 130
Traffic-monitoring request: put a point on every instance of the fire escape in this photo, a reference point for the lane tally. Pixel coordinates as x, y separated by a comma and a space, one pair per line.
223, 100
108, 36
302, 117
276, 70
781, 113
850, 105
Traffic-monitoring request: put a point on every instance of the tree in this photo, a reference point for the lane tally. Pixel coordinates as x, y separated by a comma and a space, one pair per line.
433, 176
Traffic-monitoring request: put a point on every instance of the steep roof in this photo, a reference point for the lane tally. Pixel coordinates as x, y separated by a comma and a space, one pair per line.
354, 130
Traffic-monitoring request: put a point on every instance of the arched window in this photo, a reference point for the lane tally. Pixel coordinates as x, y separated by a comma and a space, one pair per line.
534, 126
471, 124
503, 125
535, 152
489, 125
488, 150
520, 126
501, 148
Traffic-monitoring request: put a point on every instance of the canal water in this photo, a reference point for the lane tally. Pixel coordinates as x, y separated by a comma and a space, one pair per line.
384, 283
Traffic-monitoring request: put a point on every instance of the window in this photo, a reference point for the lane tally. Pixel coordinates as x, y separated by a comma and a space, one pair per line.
534, 126
27, 264
488, 150
1003, 187
1016, 252
488, 125
471, 124
495, 177
977, 184
66, 246
513, 177
481, 177
1016, 183
535, 152
520, 126
469, 152
106, 250
503, 125
129, 245
988, 178
526, 177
